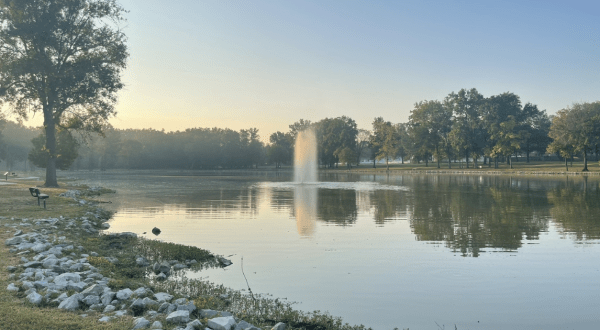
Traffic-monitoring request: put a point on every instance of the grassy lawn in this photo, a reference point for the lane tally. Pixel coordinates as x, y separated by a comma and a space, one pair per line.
521, 166
15, 313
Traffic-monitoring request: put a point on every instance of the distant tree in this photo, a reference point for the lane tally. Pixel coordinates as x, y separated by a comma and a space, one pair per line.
430, 124
405, 146
299, 126
62, 58
280, 149
537, 127
334, 135
576, 129
362, 144
468, 133
66, 149
385, 140
507, 139
346, 155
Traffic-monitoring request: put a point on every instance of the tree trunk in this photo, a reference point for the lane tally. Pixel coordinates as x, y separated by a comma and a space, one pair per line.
496, 162
585, 169
426, 161
374, 163
567, 164
449, 162
510, 162
387, 163
51, 146
467, 158
527, 155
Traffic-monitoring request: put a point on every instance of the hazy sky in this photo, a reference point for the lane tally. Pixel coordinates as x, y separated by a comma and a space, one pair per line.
267, 64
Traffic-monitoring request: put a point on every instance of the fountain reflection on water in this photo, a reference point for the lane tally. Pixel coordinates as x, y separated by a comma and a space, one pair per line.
305, 176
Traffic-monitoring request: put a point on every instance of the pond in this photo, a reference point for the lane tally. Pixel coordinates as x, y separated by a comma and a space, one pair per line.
406, 251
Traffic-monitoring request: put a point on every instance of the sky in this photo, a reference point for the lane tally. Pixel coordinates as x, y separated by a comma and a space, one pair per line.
267, 64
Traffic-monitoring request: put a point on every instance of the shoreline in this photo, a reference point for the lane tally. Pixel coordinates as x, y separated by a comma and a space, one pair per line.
61, 261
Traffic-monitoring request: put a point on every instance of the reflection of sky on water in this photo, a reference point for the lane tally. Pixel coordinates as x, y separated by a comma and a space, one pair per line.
391, 257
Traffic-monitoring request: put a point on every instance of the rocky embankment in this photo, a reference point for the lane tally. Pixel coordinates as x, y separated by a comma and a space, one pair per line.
54, 271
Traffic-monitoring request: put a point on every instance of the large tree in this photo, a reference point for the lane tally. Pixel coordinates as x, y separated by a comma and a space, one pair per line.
468, 133
63, 58
385, 140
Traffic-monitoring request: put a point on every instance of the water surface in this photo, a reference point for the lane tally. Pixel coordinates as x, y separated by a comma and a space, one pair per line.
478, 252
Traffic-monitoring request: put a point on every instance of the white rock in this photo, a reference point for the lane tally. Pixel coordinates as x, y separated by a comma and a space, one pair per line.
105, 319
279, 326
156, 325
70, 303
222, 323
141, 323
179, 317
195, 324
34, 298
109, 308
91, 300
12, 287
14, 241
163, 296
65, 277
124, 294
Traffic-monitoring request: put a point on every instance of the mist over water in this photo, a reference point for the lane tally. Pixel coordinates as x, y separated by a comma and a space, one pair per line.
305, 157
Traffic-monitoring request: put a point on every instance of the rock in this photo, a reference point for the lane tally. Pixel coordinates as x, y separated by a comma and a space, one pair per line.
34, 298
65, 277
109, 308
14, 241
179, 317
12, 287
142, 262
70, 304
243, 325
163, 296
151, 303
163, 267
124, 294
179, 266
156, 325
105, 226
224, 262
11, 268
105, 319
161, 277
188, 307
140, 292
91, 300
33, 264
222, 323
95, 289
96, 307
195, 324
141, 323
107, 298
279, 326
207, 313
18, 232
79, 286
155, 231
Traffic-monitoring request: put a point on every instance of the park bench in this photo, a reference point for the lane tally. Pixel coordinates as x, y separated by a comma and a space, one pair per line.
35, 192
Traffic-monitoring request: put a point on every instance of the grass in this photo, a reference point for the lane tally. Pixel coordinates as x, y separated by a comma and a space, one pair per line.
533, 167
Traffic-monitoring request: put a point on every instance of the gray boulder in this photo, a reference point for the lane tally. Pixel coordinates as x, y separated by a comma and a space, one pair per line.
243, 325
163, 296
34, 298
70, 304
107, 298
208, 313
279, 326
141, 323
156, 325
179, 317
124, 294
65, 277
222, 323
194, 325
95, 289
14, 241
188, 307
91, 300
105, 319
12, 287
150, 303
109, 308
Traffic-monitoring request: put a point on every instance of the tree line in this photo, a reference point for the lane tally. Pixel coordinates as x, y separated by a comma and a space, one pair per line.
465, 126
